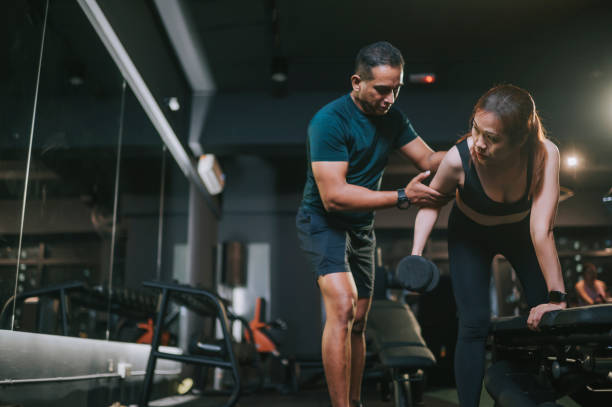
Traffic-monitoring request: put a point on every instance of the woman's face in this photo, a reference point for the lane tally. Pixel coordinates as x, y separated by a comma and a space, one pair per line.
589, 276
490, 143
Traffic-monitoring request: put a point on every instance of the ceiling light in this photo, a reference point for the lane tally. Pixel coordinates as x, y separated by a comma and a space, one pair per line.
572, 161
76, 80
279, 77
173, 104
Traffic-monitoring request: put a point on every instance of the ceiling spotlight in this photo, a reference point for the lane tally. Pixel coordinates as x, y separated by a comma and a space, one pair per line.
279, 77
279, 69
572, 161
76, 80
173, 104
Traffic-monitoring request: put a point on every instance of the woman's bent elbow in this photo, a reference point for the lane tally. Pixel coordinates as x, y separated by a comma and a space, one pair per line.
541, 234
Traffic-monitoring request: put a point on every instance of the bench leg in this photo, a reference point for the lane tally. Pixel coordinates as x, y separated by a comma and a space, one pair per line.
402, 391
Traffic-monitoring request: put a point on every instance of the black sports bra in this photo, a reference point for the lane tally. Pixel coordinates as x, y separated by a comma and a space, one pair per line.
474, 196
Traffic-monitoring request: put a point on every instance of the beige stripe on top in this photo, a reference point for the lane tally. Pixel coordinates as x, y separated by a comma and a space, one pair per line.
489, 220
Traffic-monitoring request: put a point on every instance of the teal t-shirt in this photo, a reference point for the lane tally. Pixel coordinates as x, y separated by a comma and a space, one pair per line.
342, 132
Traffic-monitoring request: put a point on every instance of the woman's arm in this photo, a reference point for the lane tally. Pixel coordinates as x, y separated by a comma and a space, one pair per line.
582, 293
601, 290
543, 212
445, 181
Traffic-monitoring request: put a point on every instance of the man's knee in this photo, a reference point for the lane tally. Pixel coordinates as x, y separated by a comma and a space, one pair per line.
361, 316
343, 310
358, 326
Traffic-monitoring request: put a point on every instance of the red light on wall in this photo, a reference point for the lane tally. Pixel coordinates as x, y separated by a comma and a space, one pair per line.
423, 78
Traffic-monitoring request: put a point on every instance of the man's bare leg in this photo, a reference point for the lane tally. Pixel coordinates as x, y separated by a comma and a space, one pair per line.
358, 347
340, 299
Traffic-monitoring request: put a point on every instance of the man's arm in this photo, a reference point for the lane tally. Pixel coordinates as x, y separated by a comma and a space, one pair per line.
422, 155
338, 195
425, 159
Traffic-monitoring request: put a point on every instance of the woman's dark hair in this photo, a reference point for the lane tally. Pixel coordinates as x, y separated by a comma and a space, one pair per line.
590, 268
521, 124
373, 55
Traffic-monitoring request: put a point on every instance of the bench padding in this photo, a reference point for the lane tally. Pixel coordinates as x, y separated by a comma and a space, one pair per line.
572, 318
396, 335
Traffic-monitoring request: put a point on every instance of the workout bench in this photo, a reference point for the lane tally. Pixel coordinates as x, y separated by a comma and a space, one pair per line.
402, 352
570, 355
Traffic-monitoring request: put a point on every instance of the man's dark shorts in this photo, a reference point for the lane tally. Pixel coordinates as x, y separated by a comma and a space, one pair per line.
332, 249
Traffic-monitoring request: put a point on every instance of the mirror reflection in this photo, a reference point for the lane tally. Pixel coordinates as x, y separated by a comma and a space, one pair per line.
21, 41
106, 205
70, 192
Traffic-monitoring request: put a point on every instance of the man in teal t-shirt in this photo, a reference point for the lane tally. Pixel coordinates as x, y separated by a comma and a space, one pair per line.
349, 141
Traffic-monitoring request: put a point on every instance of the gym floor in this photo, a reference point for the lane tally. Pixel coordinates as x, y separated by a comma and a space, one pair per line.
305, 398
443, 397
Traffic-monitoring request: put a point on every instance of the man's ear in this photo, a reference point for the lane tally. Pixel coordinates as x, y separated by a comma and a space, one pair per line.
356, 82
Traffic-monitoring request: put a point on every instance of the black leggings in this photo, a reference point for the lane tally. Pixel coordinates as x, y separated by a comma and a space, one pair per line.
471, 248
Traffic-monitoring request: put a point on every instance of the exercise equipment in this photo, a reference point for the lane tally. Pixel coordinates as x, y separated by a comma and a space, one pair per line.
396, 353
222, 353
415, 273
571, 354
400, 349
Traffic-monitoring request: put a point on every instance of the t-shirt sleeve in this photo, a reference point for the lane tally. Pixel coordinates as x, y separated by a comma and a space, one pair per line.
407, 132
326, 140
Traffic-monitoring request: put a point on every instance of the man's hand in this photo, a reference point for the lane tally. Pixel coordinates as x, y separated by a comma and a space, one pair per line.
536, 313
422, 195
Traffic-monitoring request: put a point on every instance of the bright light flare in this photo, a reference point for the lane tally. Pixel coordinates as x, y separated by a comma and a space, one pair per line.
572, 161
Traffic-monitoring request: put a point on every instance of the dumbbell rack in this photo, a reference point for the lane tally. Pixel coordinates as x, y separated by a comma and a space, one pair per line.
198, 300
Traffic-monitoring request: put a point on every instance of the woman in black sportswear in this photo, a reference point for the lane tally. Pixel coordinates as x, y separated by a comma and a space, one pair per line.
506, 177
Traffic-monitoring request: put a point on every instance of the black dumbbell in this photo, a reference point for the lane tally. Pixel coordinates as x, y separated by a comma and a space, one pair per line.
415, 273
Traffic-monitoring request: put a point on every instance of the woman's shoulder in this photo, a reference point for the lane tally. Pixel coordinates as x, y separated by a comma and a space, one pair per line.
453, 159
551, 148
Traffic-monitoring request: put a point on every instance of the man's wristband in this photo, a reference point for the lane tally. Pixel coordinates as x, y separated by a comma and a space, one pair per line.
403, 202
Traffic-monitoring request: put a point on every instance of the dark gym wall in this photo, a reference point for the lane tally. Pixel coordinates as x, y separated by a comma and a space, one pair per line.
259, 122
259, 205
262, 124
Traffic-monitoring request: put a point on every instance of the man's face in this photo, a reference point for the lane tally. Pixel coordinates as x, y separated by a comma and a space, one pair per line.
375, 96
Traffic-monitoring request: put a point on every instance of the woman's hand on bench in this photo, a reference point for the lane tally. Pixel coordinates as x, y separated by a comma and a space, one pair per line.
536, 313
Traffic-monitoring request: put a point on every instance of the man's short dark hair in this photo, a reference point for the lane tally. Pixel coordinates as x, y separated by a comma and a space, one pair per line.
373, 55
